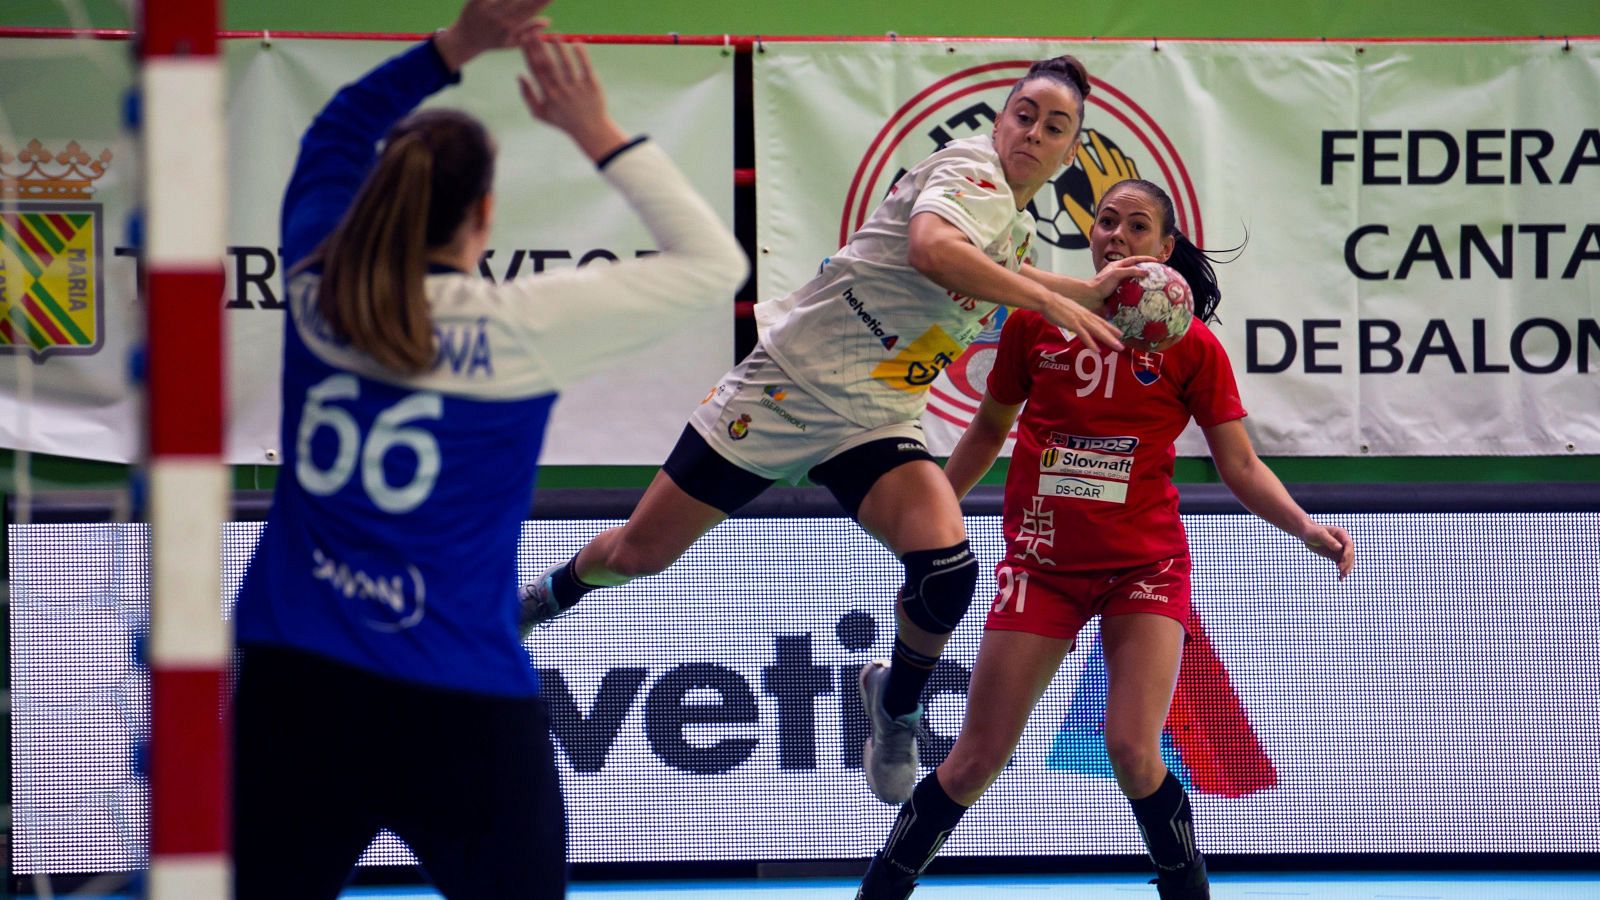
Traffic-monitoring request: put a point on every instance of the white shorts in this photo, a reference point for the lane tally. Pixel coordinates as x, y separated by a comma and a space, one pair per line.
759, 419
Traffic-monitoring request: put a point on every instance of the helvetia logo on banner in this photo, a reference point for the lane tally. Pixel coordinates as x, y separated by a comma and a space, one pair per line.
800, 705
698, 694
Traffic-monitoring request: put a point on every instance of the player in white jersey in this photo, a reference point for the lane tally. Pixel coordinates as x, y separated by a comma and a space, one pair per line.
836, 387
870, 312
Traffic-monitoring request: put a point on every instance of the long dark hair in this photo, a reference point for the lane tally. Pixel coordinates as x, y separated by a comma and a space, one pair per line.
1193, 263
1067, 71
434, 166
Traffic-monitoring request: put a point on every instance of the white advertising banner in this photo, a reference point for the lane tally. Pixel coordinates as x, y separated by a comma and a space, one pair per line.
69, 312
711, 712
1420, 272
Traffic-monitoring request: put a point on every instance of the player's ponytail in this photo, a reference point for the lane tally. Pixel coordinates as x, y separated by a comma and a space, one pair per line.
433, 167
1195, 266
1192, 262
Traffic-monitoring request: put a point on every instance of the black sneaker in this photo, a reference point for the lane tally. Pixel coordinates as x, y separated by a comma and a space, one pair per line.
1184, 883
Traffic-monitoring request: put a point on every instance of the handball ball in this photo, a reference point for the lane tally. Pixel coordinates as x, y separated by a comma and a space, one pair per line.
1154, 310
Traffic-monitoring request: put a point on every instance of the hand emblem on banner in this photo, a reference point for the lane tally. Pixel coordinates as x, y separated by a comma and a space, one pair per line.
1104, 164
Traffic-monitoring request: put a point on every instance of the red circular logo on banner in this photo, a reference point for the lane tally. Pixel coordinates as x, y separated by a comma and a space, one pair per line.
1120, 140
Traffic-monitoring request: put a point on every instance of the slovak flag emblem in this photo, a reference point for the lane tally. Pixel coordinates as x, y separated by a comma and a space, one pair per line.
1146, 367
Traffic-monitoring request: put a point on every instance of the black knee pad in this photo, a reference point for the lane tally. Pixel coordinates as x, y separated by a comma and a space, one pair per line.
939, 586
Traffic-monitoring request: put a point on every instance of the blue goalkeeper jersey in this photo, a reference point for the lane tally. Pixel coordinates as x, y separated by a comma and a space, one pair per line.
391, 543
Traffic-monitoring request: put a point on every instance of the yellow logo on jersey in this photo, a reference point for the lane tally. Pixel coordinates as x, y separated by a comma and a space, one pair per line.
914, 368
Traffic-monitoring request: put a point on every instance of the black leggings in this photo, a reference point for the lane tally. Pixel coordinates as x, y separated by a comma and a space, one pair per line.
325, 755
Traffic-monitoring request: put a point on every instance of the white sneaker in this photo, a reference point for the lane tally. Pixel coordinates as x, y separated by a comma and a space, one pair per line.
889, 757
537, 602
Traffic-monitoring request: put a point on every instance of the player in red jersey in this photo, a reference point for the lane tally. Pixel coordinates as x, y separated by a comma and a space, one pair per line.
836, 388
1092, 528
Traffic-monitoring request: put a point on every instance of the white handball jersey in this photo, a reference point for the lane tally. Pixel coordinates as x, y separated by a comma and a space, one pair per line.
869, 333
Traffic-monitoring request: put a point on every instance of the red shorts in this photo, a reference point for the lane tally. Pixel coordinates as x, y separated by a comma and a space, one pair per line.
1058, 604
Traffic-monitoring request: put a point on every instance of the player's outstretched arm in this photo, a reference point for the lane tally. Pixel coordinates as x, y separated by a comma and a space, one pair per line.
583, 319
484, 25
942, 253
1090, 294
564, 92
340, 147
1259, 489
980, 444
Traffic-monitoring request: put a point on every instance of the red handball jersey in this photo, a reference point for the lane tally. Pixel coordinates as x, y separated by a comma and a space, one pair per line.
1090, 484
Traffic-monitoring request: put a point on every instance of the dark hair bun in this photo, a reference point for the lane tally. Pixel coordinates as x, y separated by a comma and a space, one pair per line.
1065, 69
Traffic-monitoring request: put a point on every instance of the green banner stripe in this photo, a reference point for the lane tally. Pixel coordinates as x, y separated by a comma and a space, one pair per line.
29, 262
59, 314
23, 251
20, 319
78, 219
59, 226
40, 226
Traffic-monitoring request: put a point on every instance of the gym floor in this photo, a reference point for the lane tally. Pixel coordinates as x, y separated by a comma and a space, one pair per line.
1225, 886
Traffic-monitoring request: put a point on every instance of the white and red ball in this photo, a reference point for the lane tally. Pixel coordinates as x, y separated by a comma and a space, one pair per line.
1154, 310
